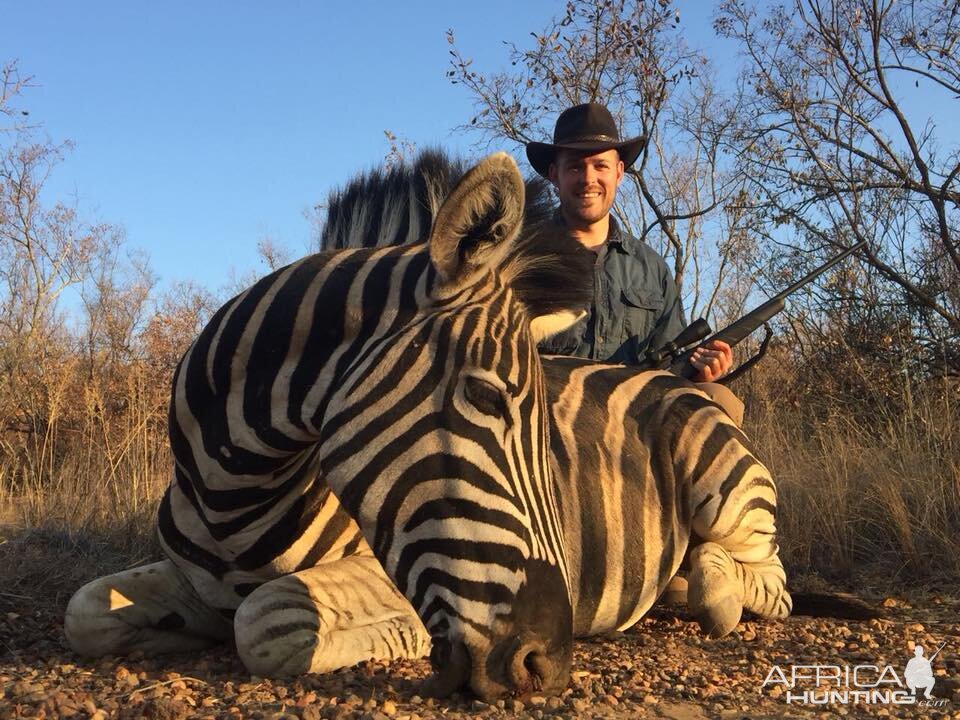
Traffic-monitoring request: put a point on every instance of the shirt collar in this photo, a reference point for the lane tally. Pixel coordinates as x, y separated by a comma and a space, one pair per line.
616, 238
620, 240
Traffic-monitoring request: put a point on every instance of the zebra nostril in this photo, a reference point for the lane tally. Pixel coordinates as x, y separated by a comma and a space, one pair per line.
536, 663
528, 668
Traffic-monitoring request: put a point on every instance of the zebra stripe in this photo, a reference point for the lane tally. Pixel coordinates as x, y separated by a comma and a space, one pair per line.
649, 468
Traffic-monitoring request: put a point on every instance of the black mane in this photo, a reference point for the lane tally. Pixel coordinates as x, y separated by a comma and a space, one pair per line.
396, 206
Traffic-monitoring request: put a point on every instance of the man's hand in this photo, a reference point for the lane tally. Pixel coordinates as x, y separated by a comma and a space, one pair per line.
712, 361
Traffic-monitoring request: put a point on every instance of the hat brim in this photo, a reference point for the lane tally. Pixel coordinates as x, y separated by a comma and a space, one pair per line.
541, 155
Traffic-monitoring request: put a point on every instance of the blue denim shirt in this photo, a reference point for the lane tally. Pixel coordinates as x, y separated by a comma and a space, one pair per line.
635, 306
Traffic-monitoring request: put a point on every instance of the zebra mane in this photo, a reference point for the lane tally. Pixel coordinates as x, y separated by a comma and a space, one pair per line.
549, 271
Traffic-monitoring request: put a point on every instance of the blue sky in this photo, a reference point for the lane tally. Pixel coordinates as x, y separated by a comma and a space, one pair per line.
203, 127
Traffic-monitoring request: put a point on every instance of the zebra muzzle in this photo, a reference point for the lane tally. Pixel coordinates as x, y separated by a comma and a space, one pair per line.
451, 668
518, 666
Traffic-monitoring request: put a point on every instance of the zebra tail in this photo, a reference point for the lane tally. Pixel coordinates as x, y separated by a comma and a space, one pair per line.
843, 606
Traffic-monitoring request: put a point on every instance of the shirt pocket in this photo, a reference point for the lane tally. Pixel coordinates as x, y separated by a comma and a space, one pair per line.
641, 308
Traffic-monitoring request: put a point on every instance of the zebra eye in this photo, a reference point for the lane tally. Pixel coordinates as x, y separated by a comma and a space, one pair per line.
486, 397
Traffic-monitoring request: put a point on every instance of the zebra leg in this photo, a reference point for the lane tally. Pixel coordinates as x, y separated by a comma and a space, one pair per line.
720, 587
734, 560
153, 609
330, 616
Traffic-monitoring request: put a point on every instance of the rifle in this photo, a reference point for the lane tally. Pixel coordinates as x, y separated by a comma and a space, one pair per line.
930, 659
675, 355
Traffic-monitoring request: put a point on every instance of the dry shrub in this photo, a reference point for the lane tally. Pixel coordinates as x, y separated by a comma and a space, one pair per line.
84, 457
96, 465
867, 487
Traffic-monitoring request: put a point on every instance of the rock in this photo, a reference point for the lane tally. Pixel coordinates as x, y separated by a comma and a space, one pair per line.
22, 688
165, 709
308, 698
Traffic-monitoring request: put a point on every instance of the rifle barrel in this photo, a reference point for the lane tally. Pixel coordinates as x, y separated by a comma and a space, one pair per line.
812, 275
739, 329
942, 645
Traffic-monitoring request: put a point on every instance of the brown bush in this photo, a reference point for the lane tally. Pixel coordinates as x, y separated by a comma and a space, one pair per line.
869, 481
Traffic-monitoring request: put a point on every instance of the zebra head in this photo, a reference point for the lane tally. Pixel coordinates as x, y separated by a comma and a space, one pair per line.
450, 479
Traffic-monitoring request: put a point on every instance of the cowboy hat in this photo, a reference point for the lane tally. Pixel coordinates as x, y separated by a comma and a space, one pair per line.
588, 127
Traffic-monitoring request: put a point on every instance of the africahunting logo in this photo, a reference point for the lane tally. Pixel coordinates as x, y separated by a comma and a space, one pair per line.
857, 684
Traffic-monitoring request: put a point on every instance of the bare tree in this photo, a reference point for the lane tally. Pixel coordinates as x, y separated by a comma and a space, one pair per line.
631, 56
181, 313
841, 143
401, 149
54, 355
12, 85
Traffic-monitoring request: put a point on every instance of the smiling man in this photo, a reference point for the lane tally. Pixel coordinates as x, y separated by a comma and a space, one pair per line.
636, 304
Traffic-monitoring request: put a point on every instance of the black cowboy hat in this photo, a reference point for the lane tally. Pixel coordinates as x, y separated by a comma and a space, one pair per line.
588, 127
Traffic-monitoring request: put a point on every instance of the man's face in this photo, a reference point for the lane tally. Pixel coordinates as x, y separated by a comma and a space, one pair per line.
587, 183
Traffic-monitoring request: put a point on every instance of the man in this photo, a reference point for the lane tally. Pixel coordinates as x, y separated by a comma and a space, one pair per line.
636, 304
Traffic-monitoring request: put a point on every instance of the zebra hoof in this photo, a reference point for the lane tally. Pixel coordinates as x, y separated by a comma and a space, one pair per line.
720, 617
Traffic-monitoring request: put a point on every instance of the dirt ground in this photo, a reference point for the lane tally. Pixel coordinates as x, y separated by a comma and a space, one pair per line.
661, 668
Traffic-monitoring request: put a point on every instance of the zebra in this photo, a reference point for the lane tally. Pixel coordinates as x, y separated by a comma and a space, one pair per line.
373, 461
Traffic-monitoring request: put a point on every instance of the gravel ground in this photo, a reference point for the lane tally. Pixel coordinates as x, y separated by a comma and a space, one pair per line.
661, 668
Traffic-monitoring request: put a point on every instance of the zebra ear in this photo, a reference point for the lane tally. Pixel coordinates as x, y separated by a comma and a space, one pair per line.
544, 326
478, 221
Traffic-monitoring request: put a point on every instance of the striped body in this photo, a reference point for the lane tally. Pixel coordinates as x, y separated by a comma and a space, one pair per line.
647, 467
251, 498
249, 502
398, 387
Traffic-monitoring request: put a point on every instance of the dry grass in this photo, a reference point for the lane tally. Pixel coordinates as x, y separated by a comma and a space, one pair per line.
78, 497
878, 497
